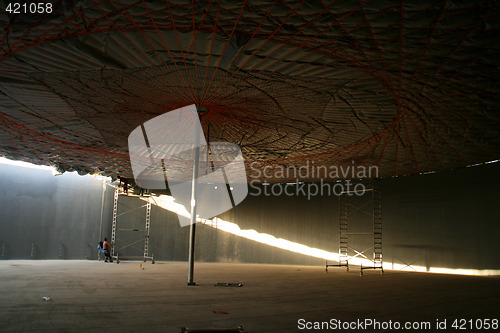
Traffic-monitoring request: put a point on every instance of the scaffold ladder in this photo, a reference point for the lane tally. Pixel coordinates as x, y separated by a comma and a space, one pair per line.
343, 232
343, 235
115, 229
376, 233
146, 234
377, 228
113, 226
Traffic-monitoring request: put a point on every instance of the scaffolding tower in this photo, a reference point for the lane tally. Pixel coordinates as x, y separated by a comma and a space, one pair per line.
348, 206
115, 228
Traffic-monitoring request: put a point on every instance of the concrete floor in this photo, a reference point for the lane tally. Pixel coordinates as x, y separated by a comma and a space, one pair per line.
88, 296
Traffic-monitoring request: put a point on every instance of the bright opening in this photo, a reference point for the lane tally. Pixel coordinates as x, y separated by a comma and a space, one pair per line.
168, 203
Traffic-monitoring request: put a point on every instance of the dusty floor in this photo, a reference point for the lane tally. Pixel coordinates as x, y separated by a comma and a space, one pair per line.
87, 296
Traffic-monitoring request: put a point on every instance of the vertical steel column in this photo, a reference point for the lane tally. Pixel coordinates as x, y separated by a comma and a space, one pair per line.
192, 226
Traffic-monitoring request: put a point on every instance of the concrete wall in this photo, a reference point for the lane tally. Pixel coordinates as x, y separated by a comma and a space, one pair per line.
445, 219
57, 215
448, 219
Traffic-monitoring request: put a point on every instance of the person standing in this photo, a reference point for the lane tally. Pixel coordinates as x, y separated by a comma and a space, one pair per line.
125, 184
106, 247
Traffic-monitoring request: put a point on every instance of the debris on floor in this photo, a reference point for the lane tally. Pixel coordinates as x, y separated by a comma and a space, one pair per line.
46, 298
238, 329
222, 284
219, 312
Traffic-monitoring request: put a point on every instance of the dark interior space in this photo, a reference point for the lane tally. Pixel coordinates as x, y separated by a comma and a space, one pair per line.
249, 166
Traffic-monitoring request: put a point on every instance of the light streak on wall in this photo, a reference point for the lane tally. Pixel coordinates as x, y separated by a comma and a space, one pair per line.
168, 203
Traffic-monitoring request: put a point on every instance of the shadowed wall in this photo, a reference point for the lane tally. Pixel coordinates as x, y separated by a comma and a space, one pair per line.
437, 220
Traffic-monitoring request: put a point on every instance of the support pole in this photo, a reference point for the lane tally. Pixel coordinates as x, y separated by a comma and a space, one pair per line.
192, 226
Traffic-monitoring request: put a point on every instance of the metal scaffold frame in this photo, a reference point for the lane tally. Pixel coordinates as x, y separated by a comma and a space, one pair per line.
146, 230
113, 226
146, 236
345, 235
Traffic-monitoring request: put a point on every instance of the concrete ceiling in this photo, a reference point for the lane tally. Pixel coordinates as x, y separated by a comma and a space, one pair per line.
408, 86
